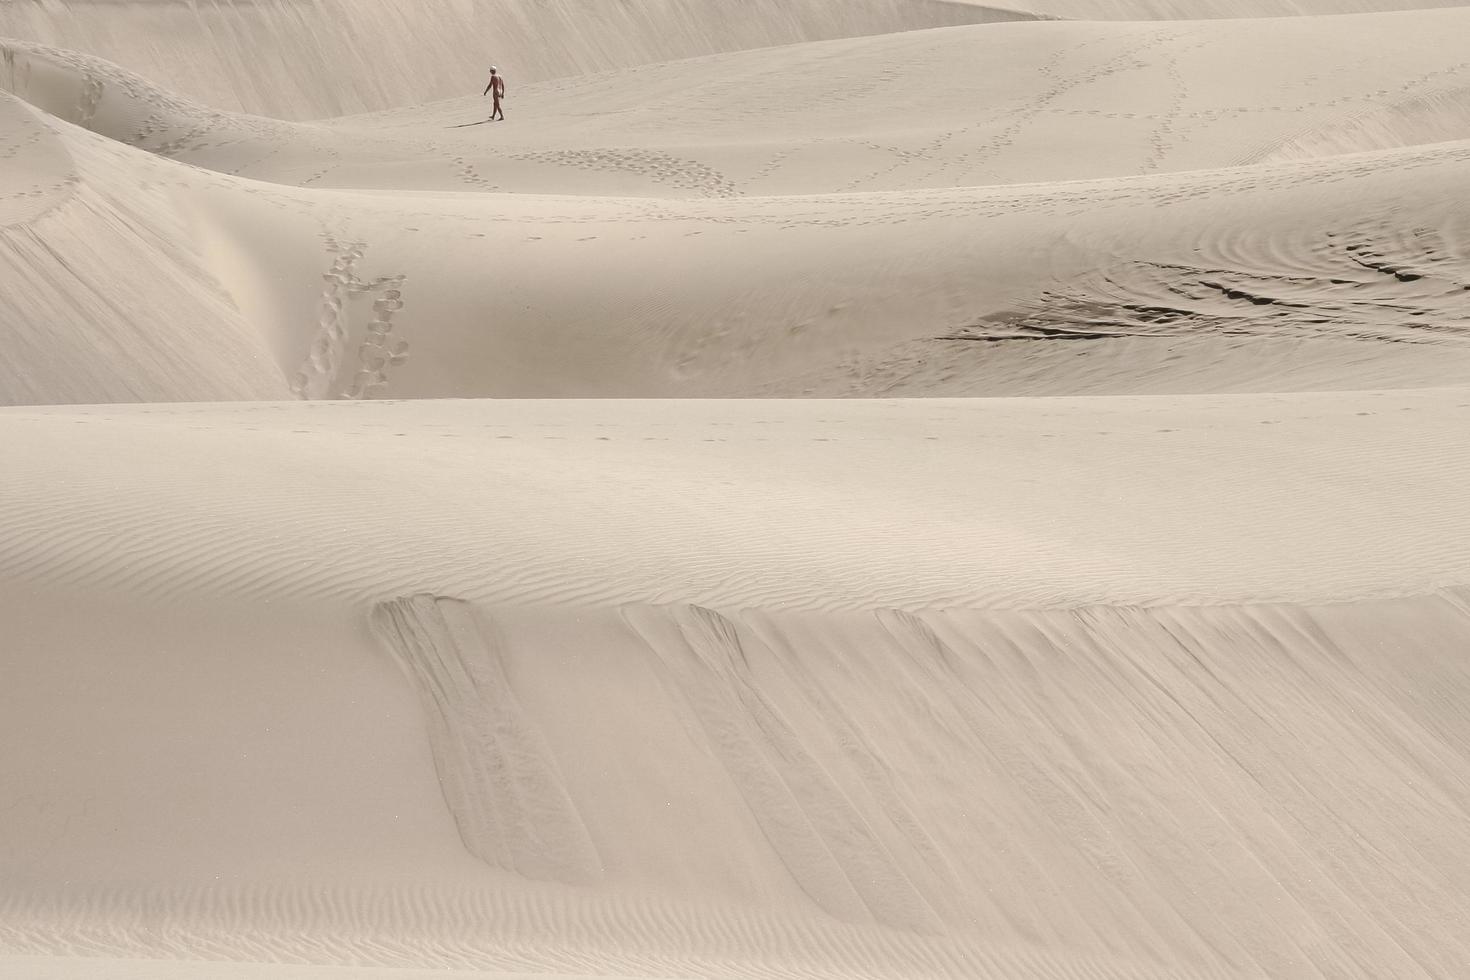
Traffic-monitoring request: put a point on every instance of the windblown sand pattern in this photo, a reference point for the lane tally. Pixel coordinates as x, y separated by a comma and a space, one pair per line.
881, 489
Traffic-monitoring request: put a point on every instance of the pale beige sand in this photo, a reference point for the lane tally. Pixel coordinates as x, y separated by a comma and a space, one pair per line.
933, 502
1327, 272
310, 60
1209, 9
1151, 668
962, 106
66, 968
307, 60
664, 790
863, 765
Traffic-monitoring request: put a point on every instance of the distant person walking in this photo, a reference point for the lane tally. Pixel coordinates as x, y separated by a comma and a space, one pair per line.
497, 89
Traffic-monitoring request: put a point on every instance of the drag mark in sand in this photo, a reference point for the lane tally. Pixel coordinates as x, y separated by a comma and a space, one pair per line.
820, 835
514, 810
498, 775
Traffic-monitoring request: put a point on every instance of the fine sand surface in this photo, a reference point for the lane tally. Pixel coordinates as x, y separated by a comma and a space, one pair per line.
887, 489
325, 57
66, 968
1227, 247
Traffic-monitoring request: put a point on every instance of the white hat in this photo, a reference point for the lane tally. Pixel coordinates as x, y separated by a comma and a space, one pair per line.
492, 67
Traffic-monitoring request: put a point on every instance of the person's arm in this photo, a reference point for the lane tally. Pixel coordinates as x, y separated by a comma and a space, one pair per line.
487, 89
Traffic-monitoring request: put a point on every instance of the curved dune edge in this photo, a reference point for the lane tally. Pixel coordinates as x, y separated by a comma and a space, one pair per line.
107, 297
1348, 271
1439, 118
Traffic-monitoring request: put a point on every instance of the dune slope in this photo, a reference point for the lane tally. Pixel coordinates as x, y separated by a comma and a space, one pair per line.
106, 297
944, 790
327, 57
1329, 272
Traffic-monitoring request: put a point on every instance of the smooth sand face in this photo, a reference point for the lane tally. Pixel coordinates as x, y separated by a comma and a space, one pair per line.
932, 498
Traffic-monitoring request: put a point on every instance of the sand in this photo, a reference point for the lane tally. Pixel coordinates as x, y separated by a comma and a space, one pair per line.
883, 490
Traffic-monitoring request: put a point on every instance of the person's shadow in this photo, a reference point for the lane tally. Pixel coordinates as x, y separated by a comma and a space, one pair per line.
463, 125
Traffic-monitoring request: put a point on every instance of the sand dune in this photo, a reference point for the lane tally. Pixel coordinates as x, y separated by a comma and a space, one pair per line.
105, 294
1251, 791
890, 489
1055, 101
1337, 271
327, 57
49, 967
40, 174
1312, 497
1211, 9
1437, 118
